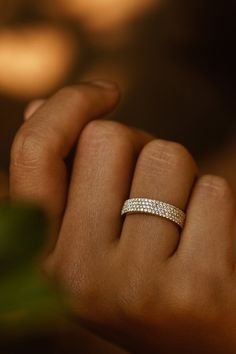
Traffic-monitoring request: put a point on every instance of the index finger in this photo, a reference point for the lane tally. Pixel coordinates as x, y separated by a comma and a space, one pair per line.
38, 172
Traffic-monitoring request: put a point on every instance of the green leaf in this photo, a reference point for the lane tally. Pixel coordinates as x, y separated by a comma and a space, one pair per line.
27, 301
23, 230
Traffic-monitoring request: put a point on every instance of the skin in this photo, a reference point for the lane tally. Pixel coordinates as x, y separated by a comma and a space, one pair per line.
138, 281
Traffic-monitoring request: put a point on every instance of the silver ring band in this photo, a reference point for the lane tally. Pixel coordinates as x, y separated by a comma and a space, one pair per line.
154, 207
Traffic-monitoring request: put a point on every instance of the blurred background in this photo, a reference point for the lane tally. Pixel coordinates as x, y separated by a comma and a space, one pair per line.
173, 59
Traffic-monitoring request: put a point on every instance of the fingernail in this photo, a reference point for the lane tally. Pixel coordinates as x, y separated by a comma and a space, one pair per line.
107, 85
32, 108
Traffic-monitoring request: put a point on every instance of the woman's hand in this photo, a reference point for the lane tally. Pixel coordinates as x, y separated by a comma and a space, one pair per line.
139, 281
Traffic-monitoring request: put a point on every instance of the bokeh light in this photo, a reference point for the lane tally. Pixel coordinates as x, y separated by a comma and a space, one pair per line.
34, 59
174, 63
100, 15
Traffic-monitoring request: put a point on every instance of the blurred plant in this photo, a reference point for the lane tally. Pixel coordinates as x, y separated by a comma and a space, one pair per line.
27, 301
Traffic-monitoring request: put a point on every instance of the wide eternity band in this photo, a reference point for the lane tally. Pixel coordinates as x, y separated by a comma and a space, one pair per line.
154, 207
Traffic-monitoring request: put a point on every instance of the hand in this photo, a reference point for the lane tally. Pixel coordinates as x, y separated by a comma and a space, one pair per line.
139, 280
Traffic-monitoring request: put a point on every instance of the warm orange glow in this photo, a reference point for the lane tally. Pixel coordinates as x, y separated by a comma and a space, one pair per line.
34, 59
104, 14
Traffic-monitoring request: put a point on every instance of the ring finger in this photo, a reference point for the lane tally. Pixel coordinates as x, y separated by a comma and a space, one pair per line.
166, 172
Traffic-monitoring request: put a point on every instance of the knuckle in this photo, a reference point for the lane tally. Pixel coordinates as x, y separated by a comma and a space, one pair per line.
78, 95
137, 306
27, 149
136, 298
184, 300
72, 91
101, 128
102, 132
215, 185
167, 153
81, 283
71, 279
194, 291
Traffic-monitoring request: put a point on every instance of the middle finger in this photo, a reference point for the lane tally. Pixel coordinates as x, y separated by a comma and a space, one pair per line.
102, 173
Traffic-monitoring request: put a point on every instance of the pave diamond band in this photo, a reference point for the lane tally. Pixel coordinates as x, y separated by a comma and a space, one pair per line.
154, 207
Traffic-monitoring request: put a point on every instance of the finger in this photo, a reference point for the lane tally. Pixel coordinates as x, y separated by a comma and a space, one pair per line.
32, 108
166, 172
102, 174
38, 171
210, 225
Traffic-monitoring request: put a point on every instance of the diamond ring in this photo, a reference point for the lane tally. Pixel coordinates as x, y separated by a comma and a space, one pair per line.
154, 207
